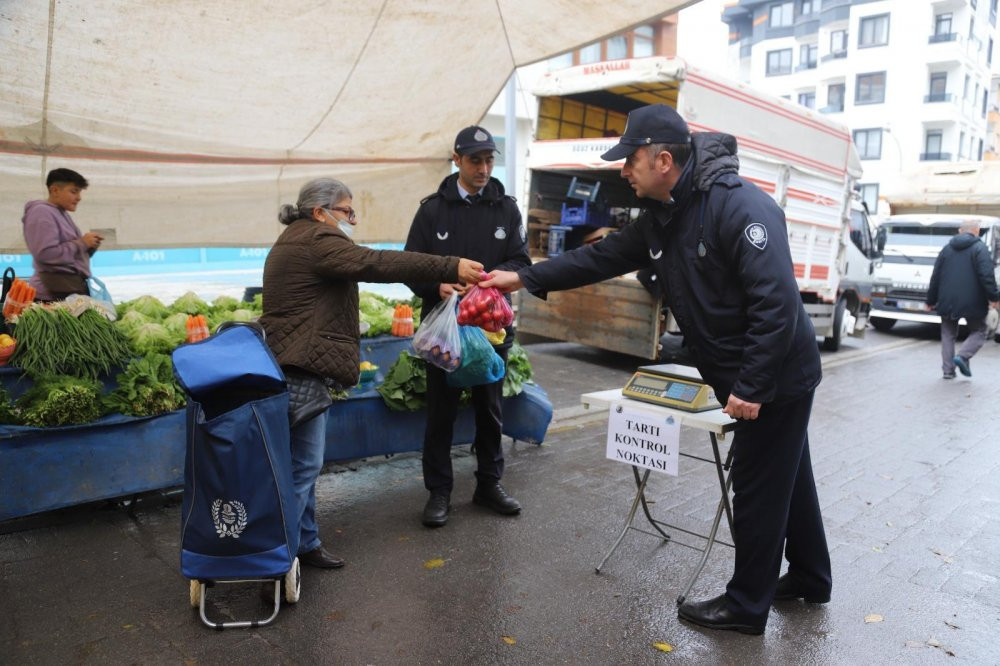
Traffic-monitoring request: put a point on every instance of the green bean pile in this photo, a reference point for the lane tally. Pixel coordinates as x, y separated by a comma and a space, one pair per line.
54, 342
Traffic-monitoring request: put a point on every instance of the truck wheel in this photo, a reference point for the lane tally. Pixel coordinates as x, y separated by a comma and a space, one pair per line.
832, 343
882, 324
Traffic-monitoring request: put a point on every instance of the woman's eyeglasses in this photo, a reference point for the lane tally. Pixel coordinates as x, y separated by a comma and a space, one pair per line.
349, 212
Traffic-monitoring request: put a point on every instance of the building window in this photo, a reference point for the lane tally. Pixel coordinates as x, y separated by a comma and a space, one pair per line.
642, 41
808, 53
973, 3
779, 62
805, 7
870, 88
869, 194
989, 53
781, 15
838, 42
938, 91
942, 28
993, 12
590, 53
986, 96
835, 97
808, 99
616, 47
961, 145
972, 29
869, 143
932, 146
980, 158
561, 61
965, 88
874, 31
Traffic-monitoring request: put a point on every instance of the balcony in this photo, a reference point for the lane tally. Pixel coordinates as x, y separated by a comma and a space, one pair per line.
832, 108
943, 37
835, 55
938, 97
801, 67
935, 157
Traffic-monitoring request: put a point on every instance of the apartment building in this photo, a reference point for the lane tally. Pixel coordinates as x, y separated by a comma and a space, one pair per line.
911, 78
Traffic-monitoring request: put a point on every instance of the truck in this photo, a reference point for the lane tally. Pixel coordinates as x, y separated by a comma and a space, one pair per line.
910, 245
927, 206
804, 160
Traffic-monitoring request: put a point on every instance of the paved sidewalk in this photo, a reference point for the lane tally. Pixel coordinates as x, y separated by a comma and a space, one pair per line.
906, 467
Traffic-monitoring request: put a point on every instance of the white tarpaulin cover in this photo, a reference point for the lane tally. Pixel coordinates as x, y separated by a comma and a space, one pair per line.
193, 121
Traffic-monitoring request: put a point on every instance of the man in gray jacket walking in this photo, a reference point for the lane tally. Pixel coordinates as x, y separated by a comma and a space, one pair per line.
962, 285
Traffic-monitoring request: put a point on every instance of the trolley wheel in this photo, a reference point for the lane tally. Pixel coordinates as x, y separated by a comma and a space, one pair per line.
293, 582
194, 594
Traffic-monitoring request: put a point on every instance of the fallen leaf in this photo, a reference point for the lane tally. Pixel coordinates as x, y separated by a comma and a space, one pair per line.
873, 617
404, 538
513, 609
949, 652
933, 642
664, 647
915, 644
947, 559
128, 626
888, 524
953, 626
436, 563
876, 549
335, 616
508, 640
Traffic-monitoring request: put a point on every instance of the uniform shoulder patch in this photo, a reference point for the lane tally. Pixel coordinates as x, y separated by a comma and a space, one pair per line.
756, 234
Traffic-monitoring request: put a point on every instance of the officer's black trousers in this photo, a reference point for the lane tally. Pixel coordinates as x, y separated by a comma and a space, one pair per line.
442, 408
774, 508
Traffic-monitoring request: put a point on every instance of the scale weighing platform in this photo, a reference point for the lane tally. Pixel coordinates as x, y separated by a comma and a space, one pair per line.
671, 385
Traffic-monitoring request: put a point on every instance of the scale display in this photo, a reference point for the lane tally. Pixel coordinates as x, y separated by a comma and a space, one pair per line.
675, 386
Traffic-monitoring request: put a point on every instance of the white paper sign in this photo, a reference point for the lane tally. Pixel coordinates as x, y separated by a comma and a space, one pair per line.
643, 438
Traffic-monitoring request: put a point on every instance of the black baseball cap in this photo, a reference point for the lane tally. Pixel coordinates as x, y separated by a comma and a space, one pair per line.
474, 139
656, 123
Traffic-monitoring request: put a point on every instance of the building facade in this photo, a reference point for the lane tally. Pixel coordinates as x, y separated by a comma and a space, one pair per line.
911, 78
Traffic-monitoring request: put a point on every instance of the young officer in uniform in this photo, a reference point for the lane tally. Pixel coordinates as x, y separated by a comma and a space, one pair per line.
469, 214
720, 249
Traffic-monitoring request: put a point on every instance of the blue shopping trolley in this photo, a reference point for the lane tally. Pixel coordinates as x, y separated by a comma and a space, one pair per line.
238, 520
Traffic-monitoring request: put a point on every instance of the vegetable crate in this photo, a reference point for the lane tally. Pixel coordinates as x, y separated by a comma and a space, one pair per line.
586, 215
239, 522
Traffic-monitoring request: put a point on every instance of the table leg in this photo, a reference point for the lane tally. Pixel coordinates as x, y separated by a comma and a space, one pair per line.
645, 507
725, 482
639, 496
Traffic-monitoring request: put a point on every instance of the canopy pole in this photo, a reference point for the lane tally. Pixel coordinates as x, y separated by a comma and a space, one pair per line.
510, 140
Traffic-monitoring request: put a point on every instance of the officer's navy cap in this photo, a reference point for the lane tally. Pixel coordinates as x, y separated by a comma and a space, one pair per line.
473, 140
656, 123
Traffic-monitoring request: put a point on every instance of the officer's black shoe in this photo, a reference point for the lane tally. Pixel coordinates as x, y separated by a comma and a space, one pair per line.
789, 589
493, 496
715, 614
436, 510
321, 559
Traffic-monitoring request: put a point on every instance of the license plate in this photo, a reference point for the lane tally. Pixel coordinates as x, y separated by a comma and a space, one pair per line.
912, 305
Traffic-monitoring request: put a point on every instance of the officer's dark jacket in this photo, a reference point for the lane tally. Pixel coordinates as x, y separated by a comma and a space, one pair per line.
738, 305
488, 231
962, 282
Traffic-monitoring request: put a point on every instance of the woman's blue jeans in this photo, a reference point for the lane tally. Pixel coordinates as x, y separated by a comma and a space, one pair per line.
308, 447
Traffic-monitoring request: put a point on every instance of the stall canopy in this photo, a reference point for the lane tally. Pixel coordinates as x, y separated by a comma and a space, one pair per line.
195, 120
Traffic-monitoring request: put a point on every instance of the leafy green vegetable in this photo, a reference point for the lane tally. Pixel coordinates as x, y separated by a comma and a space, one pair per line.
146, 387
7, 413
518, 371
191, 304
153, 339
405, 384
177, 325
374, 310
58, 400
225, 303
131, 320
149, 306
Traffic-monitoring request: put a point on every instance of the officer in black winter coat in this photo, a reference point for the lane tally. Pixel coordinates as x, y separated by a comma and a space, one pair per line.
961, 286
469, 216
719, 247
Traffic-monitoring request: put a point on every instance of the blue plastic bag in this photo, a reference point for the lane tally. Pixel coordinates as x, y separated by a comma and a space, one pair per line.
480, 362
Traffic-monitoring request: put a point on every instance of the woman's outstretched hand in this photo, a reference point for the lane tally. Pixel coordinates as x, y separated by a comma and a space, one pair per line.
469, 271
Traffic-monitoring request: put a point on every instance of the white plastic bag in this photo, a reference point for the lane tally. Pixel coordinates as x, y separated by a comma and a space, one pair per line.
437, 341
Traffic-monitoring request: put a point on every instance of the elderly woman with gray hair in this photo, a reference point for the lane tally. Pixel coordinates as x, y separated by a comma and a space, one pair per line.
311, 318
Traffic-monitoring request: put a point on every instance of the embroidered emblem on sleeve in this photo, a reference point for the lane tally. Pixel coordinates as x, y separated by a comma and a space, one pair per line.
757, 235
500, 233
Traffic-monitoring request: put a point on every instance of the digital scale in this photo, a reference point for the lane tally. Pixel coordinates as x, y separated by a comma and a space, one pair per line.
671, 385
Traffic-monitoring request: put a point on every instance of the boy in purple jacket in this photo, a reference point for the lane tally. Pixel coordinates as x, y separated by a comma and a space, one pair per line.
60, 252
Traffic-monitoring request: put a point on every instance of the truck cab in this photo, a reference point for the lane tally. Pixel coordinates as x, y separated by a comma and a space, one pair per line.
910, 245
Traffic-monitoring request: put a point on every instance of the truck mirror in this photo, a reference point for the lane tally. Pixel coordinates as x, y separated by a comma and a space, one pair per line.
880, 237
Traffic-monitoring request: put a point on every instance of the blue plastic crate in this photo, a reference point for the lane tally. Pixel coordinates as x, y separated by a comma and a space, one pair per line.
557, 239
585, 215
